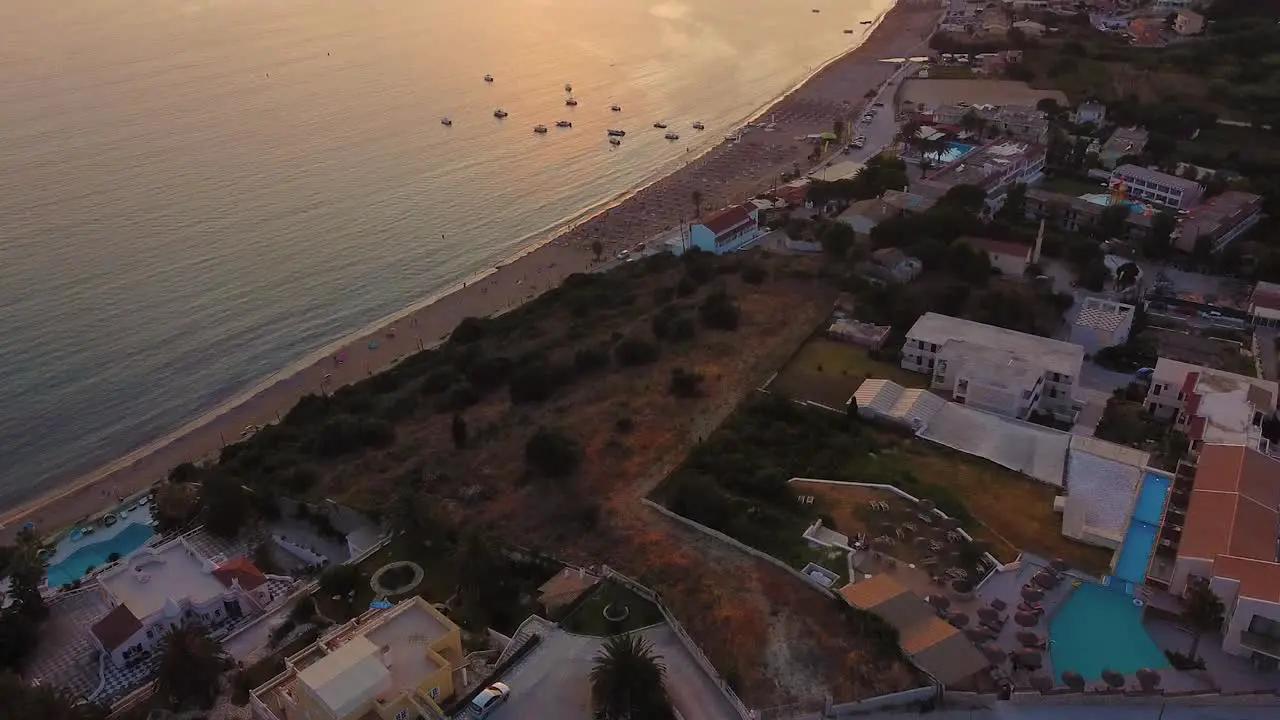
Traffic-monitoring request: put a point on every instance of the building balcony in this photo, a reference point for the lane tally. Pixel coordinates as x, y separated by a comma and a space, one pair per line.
1264, 644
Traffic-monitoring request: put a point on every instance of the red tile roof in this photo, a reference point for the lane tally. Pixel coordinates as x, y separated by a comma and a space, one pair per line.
1189, 383
240, 569
727, 219
1263, 299
116, 627
1233, 517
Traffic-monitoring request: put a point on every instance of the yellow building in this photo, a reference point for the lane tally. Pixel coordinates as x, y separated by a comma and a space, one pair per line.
393, 664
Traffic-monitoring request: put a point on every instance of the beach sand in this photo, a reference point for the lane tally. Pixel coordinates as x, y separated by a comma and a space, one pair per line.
732, 172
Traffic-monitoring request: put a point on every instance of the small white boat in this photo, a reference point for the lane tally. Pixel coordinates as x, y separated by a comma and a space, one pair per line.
488, 78
660, 125
570, 102
540, 128
616, 108
499, 113
699, 126
144, 501
446, 121
617, 133
568, 87
563, 123
671, 136
615, 140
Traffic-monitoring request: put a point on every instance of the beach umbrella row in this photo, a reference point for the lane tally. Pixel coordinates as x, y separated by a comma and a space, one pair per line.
1026, 619
1149, 679
1029, 659
1040, 682
1032, 595
988, 614
958, 619
1073, 680
1026, 637
1113, 678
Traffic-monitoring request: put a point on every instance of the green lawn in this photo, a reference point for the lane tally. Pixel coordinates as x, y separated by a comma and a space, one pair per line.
1068, 185
437, 586
829, 372
588, 618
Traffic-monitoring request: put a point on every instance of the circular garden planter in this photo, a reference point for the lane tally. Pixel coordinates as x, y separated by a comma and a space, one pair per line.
396, 578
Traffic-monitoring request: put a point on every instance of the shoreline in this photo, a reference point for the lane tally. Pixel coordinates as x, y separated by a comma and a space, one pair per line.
741, 169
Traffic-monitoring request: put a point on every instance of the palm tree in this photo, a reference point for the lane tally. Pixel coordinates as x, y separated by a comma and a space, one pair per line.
1202, 613
696, 196
627, 681
191, 667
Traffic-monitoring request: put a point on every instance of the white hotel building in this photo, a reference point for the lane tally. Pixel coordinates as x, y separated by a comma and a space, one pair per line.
990, 368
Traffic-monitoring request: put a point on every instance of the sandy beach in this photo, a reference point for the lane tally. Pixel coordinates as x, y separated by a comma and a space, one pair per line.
730, 173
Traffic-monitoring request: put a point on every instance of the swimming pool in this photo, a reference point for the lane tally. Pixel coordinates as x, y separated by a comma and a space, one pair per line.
1140, 538
1097, 629
74, 566
1104, 200
954, 151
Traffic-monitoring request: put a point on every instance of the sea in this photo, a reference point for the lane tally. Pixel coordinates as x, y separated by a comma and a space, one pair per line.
195, 194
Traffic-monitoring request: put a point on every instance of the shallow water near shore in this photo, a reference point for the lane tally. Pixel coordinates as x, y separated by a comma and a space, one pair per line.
198, 193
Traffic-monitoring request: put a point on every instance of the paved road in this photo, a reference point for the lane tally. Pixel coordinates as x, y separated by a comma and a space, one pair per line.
553, 680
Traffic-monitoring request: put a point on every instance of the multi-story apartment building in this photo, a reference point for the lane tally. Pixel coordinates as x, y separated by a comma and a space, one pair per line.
1003, 371
1218, 221
1221, 528
1211, 406
1018, 122
993, 168
1156, 187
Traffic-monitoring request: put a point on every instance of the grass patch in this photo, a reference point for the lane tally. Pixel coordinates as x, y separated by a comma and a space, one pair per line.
1068, 185
588, 618
737, 482
829, 372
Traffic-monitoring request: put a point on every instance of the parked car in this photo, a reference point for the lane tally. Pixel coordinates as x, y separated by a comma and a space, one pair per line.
489, 700
877, 104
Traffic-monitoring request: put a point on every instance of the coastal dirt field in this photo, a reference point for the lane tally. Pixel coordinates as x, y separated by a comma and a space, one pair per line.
775, 639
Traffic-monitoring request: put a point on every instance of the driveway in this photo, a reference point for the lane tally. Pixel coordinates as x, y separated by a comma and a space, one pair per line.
553, 681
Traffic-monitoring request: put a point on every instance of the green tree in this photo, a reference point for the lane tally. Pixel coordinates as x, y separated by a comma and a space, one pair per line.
1015, 203
837, 238
852, 408
1162, 227
597, 248
553, 454
696, 197
340, 580
459, 430
628, 681
26, 571
225, 506
191, 667
1111, 221
17, 641
486, 586
1202, 612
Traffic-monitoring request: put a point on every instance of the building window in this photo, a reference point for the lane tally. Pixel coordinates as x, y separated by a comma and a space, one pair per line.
962, 386
930, 363
1260, 625
933, 347
149, 635
1026, 394
1155, 390
1053, 393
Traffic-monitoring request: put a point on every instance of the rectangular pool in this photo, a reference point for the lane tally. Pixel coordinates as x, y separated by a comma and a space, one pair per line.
1150, 505
1097, 629
1140, 538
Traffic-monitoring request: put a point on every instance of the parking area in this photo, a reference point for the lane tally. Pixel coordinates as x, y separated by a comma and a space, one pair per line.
554, 680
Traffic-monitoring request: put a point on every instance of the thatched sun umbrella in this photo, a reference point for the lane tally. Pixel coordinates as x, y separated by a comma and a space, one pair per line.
939, 602
999, 604
1113, 678
1045, 580
958, 619
1073, 680
1030, 659
1026, 619
993, 653
1032, 595
1026, 637
1149, 679
1040, 682
977, 634
989, 614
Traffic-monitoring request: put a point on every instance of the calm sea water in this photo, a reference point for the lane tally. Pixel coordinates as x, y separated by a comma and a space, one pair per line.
194, 194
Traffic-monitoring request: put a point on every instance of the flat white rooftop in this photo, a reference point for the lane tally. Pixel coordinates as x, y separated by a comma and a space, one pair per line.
1103, 314
1054, 355
1104, 477
146, 582
1030, 449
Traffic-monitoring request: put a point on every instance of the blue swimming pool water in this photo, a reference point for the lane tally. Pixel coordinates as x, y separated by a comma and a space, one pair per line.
1150, 505
954, 151
95, 554
1097, 629
1140, 538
